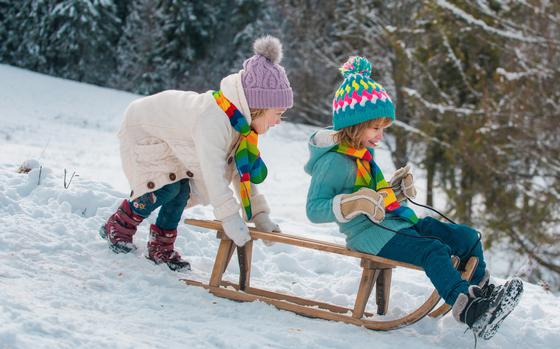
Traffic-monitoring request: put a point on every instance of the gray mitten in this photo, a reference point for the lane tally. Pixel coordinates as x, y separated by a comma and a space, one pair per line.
263, 223
402, 183
364, 201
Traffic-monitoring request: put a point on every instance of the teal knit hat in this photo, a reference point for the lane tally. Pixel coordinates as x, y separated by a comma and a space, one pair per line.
360, 98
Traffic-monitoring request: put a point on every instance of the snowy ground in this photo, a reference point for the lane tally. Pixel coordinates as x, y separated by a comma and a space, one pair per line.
61, 287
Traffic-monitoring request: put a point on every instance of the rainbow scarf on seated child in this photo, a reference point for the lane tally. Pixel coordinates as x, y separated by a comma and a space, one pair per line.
248, 160
365, 164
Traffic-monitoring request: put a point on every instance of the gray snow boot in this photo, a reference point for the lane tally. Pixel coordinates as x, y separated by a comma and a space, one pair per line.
484, 309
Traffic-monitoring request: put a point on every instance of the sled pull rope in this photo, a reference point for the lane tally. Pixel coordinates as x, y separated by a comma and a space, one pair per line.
463, 261
432, 209
425, 206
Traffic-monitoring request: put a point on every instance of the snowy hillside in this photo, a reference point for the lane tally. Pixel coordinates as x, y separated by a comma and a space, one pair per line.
61, 287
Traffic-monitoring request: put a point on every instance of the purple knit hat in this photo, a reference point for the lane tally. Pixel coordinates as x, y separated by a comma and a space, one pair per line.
264, 80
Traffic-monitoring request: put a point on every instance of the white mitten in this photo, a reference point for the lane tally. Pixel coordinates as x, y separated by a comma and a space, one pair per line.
236, 229
263, 223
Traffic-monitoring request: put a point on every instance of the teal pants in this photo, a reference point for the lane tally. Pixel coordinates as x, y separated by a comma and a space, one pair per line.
172, 198
434, 255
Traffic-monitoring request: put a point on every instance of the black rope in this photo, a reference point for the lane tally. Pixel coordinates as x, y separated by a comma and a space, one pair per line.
463, 260
425, 206
432, 209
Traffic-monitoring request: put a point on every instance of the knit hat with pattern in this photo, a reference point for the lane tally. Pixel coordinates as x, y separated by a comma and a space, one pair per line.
360, 98
264, 80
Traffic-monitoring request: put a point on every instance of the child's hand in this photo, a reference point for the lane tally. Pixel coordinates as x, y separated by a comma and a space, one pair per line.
263, 223
364, 201
403, 184
236, 229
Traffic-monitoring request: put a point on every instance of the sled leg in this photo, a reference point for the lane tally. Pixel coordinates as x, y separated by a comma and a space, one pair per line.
245, 255
230, 254
221, 263
383, 291
369, 275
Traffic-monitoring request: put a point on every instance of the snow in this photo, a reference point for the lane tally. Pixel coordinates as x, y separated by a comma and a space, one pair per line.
61, 287
511, 76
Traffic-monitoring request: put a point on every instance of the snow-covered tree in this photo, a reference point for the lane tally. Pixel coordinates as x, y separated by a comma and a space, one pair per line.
7, 19
186, 27
139, 67
25, 33
238, 24
205, 40
492, 107
82, 39
185, 44
72, 39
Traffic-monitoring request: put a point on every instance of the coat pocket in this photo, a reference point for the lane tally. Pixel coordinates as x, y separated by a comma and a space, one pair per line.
152, 152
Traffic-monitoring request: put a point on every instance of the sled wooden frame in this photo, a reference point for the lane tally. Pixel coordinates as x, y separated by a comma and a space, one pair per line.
377, 272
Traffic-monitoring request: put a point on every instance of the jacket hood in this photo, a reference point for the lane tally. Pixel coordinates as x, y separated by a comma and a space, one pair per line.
232, 88
320, 143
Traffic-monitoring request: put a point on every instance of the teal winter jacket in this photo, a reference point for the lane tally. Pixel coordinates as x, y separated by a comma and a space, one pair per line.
333, 174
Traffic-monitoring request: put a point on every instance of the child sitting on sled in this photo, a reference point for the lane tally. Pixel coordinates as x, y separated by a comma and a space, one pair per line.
182, 146
348, 187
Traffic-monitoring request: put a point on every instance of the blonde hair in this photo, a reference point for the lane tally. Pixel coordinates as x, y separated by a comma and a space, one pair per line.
257, 113
353, 134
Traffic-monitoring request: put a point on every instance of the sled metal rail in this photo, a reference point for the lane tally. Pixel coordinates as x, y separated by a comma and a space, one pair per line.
377, 273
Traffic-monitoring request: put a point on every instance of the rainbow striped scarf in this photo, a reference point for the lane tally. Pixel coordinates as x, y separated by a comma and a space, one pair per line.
365, 164
248, 160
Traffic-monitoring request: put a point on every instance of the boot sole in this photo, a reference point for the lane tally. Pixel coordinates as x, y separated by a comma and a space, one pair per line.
173, 266
119, 247
487, 326
177, 267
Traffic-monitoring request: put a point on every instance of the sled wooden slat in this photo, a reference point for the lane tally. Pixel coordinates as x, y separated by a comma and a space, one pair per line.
328, 315
280, 296
305, 242
376, 274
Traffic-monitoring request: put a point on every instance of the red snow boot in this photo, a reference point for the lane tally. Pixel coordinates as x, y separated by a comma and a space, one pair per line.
120, 228
160, 249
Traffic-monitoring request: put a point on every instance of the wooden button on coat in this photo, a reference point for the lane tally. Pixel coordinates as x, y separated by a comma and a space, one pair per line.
151, 185
172, 176
190, 174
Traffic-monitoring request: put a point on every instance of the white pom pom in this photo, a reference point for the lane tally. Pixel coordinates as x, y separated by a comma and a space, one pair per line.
270, 47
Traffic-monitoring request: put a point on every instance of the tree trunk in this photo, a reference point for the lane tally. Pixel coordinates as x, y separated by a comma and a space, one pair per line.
400, 67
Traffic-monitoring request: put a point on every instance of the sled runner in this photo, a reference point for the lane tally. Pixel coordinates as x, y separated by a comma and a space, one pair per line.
377, 272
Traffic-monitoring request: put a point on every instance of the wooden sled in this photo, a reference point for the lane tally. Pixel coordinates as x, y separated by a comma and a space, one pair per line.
377, 272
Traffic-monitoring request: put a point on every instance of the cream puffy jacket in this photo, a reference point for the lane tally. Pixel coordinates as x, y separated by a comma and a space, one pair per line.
182, 134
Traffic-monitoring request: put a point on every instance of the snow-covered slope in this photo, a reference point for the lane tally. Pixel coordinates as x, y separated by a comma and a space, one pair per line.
61, 287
